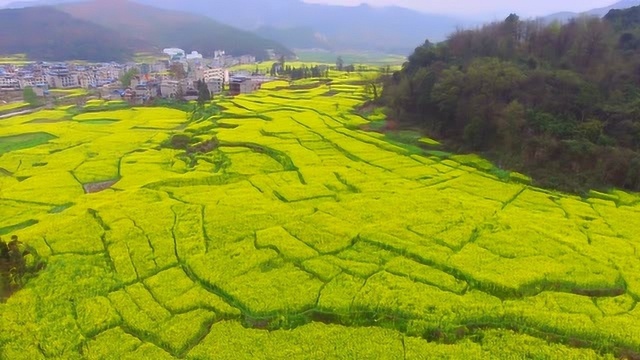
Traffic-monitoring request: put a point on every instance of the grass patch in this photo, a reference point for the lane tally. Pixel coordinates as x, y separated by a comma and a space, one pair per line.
13, 228
23, 141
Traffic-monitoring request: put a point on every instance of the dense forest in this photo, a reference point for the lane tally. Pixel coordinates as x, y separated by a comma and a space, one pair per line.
560, 102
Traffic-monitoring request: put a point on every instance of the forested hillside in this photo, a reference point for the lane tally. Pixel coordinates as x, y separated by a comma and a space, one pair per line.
559, 102
45, 33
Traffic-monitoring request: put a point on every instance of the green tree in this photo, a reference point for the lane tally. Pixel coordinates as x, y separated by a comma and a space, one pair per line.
204, 95
510, 124
126, 78
177, 71
339, 63
591, 130
30, 96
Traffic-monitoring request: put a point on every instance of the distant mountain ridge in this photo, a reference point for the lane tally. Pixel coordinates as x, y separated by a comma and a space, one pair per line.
297, 24
599, 12
169, 28
279, 24
360, 27
137, 27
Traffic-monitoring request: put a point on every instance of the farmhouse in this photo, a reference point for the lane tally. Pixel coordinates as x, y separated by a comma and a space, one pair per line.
242, 85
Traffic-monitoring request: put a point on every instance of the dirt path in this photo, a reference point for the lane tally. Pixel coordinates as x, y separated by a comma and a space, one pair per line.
23, 112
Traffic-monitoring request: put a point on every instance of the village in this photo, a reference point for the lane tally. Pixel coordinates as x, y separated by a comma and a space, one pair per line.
175, 76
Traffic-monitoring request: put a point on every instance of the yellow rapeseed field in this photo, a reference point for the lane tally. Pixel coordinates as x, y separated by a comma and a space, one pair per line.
298, 235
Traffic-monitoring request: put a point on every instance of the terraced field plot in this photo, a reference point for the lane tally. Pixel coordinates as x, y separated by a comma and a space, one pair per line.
299, 236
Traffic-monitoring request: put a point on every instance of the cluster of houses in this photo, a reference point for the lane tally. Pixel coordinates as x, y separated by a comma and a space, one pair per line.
42, 76
151, 80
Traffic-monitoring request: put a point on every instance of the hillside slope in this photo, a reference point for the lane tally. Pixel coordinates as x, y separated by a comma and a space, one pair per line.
559, 103
45, 33
167, 28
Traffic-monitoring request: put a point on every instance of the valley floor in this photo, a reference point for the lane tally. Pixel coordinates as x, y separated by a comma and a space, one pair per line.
299, 236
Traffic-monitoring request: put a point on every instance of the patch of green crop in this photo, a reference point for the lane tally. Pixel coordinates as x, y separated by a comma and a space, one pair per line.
23, 141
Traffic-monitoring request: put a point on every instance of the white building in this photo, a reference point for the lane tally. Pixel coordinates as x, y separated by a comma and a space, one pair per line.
66, 81
169, 88
215, 74
215, 86
27, 81
87, 79
9, 83
194, 55
175, 53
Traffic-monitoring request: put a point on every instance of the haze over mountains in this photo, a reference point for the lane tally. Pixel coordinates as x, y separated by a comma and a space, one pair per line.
172, 28
244, 26
102, 30
390, 29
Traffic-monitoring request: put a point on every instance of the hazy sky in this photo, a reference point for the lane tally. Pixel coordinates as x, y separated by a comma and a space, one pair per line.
485, 7
475, 7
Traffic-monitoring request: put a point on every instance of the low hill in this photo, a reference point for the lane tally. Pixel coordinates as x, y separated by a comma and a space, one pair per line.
46, 33
558, 103
167, 28
624, 20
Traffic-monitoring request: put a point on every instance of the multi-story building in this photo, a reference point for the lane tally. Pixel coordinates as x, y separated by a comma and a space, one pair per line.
215, 86
169, 88
215, 73
9, 83
67, 81
27, 81
60, 77
87, 79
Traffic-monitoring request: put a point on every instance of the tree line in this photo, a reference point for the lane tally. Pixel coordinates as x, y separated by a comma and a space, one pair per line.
560, 101
299, 73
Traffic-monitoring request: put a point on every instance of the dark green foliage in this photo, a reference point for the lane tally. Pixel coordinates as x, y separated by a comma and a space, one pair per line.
17, 262
204, 95
30, 96
624, 19
560, 102
303, 72
179, 141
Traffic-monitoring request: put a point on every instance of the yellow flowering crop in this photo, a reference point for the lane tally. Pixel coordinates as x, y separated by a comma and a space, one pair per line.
282, 229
